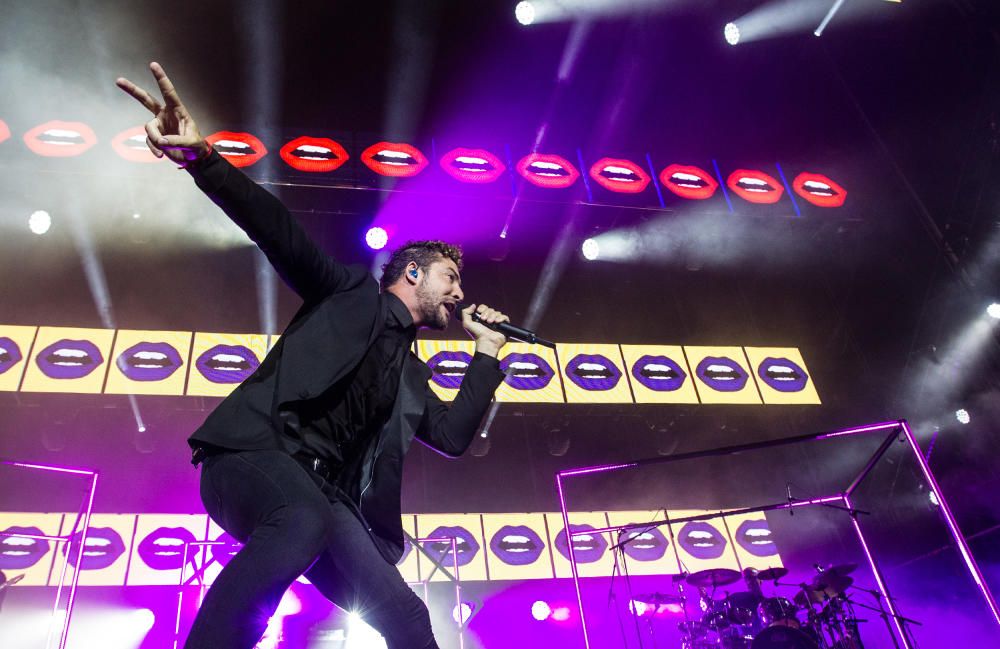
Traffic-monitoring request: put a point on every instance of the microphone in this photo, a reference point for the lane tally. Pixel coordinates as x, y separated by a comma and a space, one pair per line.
788, 490
511, 331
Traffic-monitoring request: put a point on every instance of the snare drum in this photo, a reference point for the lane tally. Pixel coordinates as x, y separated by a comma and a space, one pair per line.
778, 611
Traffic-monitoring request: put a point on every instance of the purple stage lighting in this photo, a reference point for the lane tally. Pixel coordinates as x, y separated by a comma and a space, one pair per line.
525, 13
641, 609
560, 614
376, 238
541, 611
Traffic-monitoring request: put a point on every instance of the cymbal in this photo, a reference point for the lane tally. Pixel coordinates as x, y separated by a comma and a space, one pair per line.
823, 587
772, 573
713, 577
842, 569
656, 599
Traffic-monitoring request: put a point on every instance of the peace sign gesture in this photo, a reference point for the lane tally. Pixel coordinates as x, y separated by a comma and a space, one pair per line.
172, 132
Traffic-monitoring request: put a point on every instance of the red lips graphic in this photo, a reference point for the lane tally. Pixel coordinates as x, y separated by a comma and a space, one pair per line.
548, 171
472, 165
4, 131
56, 139
688, 181
314, 154
819, 190
241, 149
131, 145
755, 186
395, 159
619, 175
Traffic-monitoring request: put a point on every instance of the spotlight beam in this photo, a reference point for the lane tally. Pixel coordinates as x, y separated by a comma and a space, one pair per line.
829, 16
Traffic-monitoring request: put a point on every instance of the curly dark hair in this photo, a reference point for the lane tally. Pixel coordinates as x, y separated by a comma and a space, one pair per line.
424, 253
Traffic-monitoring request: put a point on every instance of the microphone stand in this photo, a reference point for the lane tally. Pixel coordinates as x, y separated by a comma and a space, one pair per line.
884, 614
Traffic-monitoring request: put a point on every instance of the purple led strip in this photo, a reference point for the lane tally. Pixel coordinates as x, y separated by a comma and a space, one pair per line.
79, 557
705, 517
963, 546
86, 512
458, 583
180, 584
569, 546
878, 576
598, 469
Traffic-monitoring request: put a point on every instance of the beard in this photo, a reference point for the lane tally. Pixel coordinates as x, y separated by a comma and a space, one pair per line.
429, 307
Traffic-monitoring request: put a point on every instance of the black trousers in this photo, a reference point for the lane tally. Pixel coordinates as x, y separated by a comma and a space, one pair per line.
292, 522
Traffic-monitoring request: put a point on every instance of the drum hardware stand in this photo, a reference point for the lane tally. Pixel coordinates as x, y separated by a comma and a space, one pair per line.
884, 614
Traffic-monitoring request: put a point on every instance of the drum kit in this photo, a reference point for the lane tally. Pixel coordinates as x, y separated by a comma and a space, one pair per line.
817, 615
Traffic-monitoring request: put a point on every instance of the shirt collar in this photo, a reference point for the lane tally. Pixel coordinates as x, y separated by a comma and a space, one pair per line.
398, 314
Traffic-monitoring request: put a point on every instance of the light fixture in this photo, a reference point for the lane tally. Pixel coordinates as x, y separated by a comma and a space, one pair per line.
39, 222
376, 238
732, 33
525, 13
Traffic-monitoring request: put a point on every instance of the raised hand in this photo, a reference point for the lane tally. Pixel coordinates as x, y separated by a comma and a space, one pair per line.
172, 132
487, 340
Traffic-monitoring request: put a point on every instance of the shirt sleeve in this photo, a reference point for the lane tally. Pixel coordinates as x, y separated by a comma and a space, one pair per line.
306, 269
451, 429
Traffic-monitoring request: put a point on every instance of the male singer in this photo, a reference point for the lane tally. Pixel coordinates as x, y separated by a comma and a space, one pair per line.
303, 461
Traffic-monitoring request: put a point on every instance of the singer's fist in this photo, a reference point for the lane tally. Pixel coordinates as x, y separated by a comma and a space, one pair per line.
488, 341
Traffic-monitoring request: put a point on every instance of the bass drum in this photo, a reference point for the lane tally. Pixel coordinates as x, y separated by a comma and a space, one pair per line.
778, 611
782, 637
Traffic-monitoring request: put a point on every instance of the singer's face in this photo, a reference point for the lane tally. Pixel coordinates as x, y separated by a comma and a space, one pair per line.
438, 293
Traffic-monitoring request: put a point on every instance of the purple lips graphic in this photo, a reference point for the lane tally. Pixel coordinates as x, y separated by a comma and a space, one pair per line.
449, 368
701, 540
517, 545
659, 373
163, 548
587, 548
101, 549
755, 537
782, 374
69, 359
593, 372
466, 546
17, 552
722, 374
645, 544
147, 361
526, 371
227, 364
225, 552
10, 354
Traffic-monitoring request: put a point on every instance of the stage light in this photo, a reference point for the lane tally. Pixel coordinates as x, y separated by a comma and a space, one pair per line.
525, 13
541, 611
933, 498
39, 222
962, 415
141, 619
640, 609
591, 249
376, 238
462, 612
993, 311
360, 635
829, 16
142, 429
560, 614
136, 215
732, 33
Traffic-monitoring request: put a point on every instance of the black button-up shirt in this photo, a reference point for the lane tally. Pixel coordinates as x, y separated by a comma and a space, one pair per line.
338, 424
